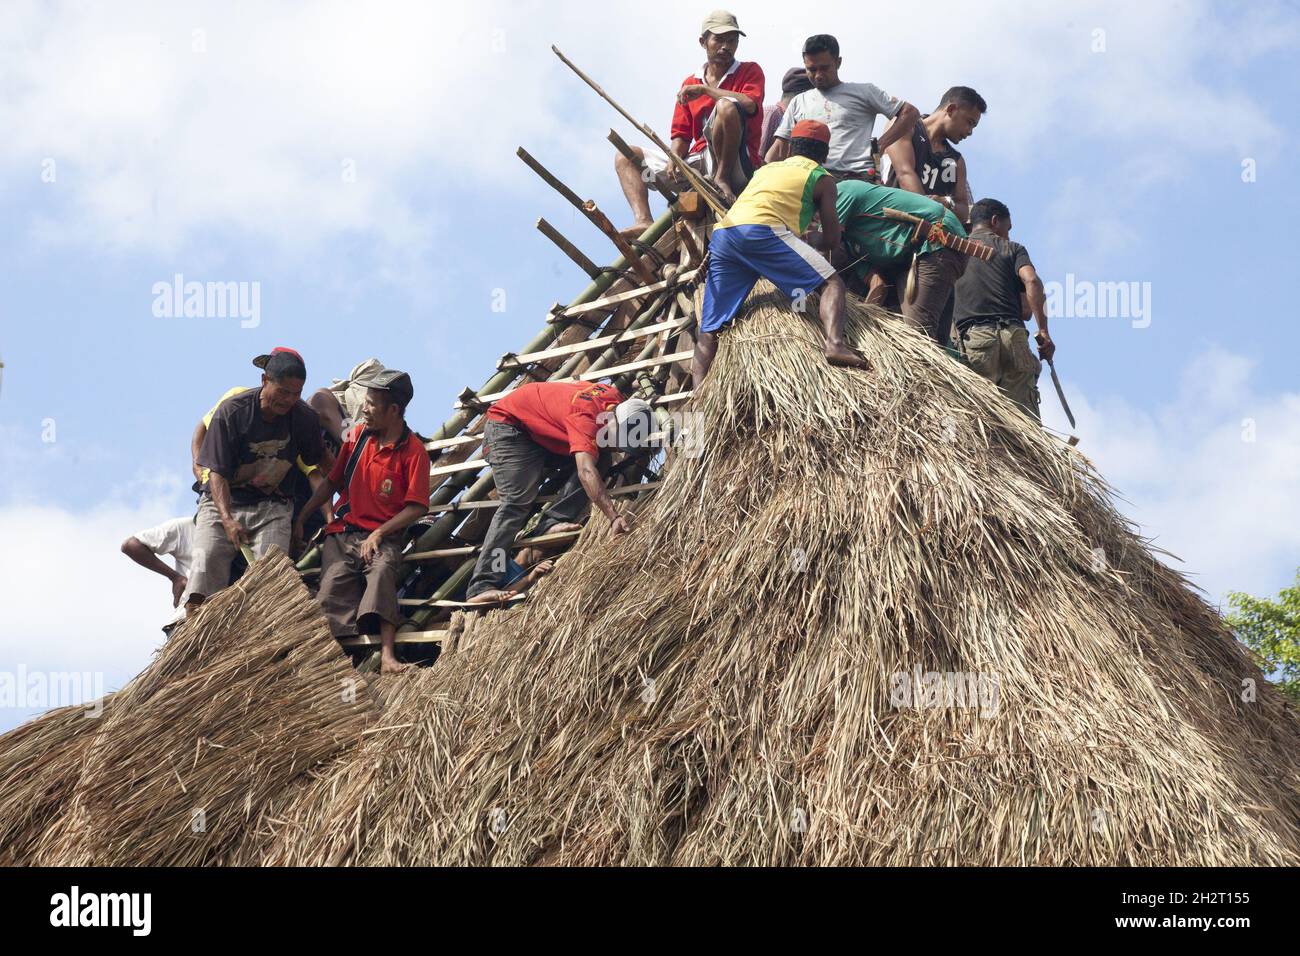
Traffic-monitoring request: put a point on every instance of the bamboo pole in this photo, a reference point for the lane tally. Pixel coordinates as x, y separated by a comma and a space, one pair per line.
589, 345
462, 416
693, 253
696, 181
569, 249
549, 178
670, 282
626, 150
601, 222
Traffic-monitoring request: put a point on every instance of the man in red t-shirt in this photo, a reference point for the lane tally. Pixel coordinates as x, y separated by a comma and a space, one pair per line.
382, 479
717, 124
541, 420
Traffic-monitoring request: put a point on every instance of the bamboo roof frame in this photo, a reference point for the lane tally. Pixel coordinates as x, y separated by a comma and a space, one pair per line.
628, 326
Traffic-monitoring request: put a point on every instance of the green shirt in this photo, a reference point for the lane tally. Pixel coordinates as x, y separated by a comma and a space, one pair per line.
885, 242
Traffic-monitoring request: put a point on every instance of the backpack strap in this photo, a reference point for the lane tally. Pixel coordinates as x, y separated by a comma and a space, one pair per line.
348, 469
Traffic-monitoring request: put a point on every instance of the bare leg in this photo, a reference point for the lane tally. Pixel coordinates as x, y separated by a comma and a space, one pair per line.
495, 596
877, 288
706, 346
564, 527
630, 176
388, 662
832, 314
725, 137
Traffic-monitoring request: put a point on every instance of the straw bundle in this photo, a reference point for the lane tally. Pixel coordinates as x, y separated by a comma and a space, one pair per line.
739, 680
722, 685
40, 764
248, 695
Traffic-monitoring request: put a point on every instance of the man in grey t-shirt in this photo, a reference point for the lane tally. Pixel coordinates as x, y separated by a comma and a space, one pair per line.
849, 109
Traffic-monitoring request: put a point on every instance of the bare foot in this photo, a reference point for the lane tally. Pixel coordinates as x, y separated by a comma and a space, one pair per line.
724, 188
845, 357
391, 665
564, 527
544, 568
489, 597
634, 231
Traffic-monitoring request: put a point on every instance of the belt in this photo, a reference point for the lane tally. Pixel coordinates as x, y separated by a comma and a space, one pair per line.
1000, 323
870, 176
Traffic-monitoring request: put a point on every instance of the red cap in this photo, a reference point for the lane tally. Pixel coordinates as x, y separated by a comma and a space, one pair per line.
811, 129
261, 360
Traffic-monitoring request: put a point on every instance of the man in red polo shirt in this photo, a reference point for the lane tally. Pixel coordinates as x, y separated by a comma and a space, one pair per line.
541, 420
382, 479
717, 124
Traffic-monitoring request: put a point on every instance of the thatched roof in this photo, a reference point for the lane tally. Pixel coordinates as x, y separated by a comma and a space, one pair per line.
1119, 736
727, 683
241, 701
716, 686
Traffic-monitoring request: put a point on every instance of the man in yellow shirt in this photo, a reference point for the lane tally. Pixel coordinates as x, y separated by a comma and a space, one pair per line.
759, 238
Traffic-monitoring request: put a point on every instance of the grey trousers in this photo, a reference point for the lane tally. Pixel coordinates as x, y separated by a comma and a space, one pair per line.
517, 463
269, 522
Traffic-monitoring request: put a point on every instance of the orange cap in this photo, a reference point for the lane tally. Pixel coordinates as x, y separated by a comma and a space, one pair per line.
811, 129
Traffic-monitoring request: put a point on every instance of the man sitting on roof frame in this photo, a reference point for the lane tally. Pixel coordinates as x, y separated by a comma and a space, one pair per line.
717, 124
382, 479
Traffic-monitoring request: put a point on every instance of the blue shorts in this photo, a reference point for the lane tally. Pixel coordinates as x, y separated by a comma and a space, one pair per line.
740, 255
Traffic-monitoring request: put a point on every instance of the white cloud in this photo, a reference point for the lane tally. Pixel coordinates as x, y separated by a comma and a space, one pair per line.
75, 603
172, 122
1212, 474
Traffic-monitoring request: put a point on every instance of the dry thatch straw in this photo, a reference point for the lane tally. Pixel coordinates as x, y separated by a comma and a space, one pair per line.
246, 696
716, 687
40, 763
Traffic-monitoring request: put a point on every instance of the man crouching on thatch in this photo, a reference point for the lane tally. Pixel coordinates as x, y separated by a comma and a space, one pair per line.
759, 238
382, 479
532, 425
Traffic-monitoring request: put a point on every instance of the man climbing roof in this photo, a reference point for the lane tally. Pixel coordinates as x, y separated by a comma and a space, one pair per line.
793, 83
927, 162
382, 480
886, 247
538, 424
760, 238
250, 448
175, 539
305, 478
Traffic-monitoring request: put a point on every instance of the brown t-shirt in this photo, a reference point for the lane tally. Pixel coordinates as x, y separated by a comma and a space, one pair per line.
256, 456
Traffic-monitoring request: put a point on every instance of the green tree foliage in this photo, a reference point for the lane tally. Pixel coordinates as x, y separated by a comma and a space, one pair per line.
1271, 628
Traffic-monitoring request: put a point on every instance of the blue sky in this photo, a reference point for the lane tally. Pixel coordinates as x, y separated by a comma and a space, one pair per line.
357, 162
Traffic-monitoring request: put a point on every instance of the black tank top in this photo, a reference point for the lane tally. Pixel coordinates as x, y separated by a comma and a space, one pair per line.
938, 171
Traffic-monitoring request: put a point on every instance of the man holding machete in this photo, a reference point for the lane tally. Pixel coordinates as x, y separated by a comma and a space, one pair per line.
990, 324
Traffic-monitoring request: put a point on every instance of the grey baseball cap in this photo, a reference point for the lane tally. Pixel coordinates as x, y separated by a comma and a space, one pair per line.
396, 383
